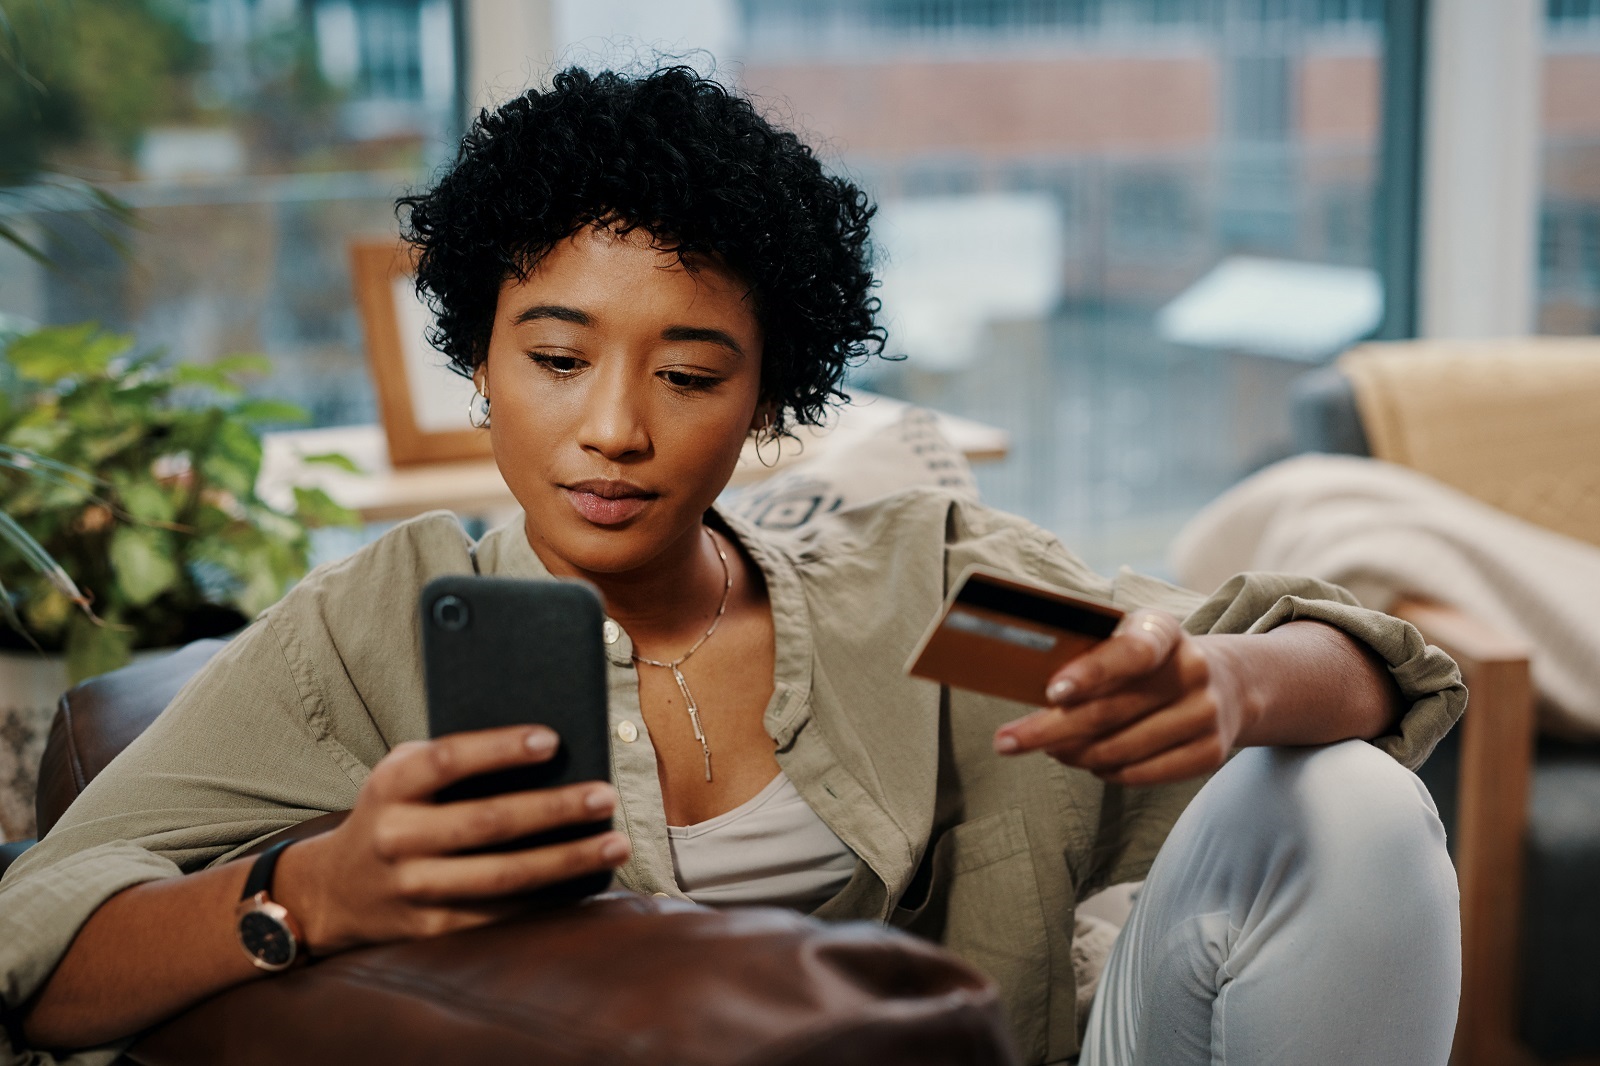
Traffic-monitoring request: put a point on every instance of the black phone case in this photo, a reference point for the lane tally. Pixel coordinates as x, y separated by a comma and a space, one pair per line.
502, 651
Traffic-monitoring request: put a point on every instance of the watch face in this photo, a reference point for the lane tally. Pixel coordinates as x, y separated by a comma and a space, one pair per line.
266, 938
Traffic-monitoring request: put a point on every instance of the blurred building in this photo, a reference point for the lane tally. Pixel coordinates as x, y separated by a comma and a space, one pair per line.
392, 63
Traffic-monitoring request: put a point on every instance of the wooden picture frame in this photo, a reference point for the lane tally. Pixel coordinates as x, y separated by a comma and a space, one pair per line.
422, 403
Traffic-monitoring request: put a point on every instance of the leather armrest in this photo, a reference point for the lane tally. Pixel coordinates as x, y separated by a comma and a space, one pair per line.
100, 717
620, 980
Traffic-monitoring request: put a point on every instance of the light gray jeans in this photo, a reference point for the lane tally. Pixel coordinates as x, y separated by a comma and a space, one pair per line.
1303, 912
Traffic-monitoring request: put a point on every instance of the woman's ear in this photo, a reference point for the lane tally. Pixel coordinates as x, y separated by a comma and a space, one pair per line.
765, 418
480, 379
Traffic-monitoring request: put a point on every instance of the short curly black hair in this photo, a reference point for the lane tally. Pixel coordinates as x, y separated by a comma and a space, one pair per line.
695, 166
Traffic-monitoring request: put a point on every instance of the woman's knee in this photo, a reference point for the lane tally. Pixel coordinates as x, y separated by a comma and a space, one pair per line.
1355, 811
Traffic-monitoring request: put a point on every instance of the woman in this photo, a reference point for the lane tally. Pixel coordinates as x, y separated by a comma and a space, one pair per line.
638, 274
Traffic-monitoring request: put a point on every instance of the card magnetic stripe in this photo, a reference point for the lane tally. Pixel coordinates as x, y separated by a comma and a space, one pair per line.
1045, 612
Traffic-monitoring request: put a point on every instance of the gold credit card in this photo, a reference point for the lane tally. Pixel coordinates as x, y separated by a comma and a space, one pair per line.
1005, 636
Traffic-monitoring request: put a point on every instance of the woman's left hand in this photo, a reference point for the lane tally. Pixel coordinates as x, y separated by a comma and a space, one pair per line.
1145, 706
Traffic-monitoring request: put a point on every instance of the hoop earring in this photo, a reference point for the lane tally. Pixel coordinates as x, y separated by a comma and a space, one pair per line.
769, 433
478, 414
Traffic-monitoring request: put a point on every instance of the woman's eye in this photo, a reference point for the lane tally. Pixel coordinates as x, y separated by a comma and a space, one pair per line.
681, 379
557, 364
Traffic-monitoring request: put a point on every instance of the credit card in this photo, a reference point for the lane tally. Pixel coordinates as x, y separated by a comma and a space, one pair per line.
1007, 636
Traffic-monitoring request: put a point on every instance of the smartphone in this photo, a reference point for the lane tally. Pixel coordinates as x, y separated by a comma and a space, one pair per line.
1006, 636
503, 651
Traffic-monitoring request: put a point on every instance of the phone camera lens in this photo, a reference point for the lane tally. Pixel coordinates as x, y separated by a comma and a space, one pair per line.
451, 613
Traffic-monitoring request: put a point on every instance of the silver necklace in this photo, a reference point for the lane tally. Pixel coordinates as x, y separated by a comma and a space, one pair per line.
677, 674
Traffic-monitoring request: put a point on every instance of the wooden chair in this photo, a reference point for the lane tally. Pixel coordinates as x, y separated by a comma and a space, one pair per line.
1497, 740
1491, 818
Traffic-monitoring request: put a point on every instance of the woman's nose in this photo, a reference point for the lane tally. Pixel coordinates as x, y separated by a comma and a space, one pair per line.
614, 423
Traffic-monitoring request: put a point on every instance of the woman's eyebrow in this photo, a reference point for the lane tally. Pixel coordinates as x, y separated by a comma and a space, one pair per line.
702, 333
555, 311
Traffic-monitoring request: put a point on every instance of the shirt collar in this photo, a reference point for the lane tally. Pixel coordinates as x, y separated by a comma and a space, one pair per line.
504, 551
791, 628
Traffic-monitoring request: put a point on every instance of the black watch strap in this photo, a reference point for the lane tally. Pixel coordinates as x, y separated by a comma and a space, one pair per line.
260, 879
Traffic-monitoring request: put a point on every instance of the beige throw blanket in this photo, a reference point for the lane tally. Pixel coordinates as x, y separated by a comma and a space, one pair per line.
1383, 531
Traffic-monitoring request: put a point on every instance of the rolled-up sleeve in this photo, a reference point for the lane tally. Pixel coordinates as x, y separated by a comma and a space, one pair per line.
1426, 677
1255, 602
41, 912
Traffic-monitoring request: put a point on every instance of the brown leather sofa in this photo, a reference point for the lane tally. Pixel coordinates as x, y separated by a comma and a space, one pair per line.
620, 979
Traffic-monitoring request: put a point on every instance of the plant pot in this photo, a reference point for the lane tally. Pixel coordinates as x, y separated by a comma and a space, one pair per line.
31, 685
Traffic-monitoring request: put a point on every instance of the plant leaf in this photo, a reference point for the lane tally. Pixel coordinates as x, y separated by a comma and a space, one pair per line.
48, 196
314, 507
337, 460
9, 234
48, 355
46, 612
142, 559
9, 612
93, 649
98, 449
147, 501
205, 376
22, 459
240, 365
38, 559
262, 584
270, 411
77, 485
234, 460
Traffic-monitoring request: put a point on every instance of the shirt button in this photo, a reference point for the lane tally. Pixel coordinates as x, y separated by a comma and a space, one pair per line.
661, 895
627, 732
610, 631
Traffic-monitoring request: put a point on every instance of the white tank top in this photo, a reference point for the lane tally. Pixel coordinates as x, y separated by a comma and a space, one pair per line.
771, 849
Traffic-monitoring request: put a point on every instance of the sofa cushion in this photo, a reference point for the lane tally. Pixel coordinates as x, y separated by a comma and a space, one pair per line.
906, 453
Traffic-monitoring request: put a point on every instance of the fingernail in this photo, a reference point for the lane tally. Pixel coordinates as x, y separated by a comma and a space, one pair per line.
614, 850
1060, 690
541, 742
601, 799
1005, 744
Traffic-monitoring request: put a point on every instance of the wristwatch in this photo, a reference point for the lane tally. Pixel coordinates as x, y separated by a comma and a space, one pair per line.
267, 931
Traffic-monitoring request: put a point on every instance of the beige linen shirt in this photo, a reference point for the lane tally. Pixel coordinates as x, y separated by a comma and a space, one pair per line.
986, 855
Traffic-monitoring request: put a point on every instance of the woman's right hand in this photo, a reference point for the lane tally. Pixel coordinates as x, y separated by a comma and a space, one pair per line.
394, 869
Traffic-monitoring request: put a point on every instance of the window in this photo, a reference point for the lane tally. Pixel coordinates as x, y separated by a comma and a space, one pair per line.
1102, 168
1569, 231
1180, 146
1566, 14
390, 49
1151, 210
300, 122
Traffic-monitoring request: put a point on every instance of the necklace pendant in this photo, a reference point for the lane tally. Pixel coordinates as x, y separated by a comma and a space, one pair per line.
677, 674
694, 717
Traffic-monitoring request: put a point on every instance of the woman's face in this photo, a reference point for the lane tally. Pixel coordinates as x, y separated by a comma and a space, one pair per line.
621, 387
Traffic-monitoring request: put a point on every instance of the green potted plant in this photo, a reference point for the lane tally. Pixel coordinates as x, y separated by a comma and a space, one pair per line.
132, 485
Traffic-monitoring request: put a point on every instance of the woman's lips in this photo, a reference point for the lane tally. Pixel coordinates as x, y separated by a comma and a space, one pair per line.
604, 510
